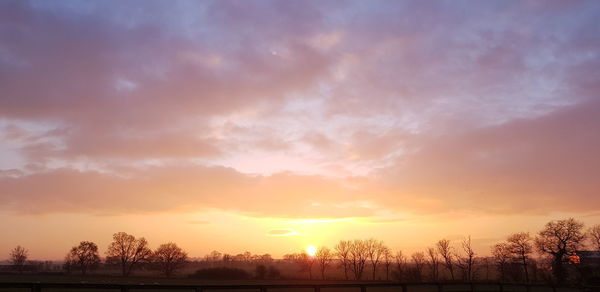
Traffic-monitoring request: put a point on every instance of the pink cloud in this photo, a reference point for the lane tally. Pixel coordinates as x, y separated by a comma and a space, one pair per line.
530, 165
178, 188
417, 106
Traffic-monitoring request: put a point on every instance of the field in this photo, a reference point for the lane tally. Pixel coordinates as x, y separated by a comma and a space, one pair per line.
150, 285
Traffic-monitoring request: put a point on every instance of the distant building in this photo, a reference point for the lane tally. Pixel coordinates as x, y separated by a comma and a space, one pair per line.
587, 264
586, 258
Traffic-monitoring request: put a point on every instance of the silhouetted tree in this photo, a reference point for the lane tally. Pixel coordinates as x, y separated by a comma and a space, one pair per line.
169, 257
418, 260
358, 257
485, 262
260, 272
227, 258
247, 256
84, 256
68, 263
303, 260
264, 259
342, 251
239, 258
594, 235
306, 263
388, 259
273, 273
434, 263
290, 257
128, 251
467, 261
374, 249
502, 256
18, 257
324, 257
215, 256
445, 251
560, 239
519, 245
400, 260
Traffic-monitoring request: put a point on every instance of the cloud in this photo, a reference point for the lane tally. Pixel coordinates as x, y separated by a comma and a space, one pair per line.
527, 165
338, 110
78, 66
164, 188
282, 232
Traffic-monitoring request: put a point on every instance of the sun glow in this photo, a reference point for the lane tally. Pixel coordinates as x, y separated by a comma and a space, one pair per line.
311, 250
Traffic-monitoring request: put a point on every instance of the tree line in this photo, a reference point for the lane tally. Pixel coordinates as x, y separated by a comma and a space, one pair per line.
362, 259
557, 243
125, 251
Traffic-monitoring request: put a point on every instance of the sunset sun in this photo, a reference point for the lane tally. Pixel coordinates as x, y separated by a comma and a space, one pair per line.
311, 250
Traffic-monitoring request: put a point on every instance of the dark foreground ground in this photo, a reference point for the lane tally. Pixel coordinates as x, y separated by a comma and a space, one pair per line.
271, 285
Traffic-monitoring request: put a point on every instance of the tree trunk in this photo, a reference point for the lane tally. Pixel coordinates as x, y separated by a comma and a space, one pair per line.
124, 268
525, 268
346, 271
557, 269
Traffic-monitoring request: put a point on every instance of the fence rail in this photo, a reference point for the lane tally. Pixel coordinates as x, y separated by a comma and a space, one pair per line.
403, 287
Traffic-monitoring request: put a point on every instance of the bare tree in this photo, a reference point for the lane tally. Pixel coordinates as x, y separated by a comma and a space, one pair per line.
418, 259
358, 257
324, 257
18, 257
400, 260
342, 251
485, 262
519, 245
388, 258
227, 258
246, 256
467, 262
445, 251
374, 250
128, 251
434, 263
264, 259
306, 262
215, 256
594, 235
169, 258
303, 260
68, 264
84, 256
560, 239
502, 255
290, 257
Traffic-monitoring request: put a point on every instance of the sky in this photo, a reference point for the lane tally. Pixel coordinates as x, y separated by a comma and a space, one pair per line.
268, 126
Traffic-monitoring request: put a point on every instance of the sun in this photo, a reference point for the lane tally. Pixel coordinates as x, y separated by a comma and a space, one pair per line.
311, 250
